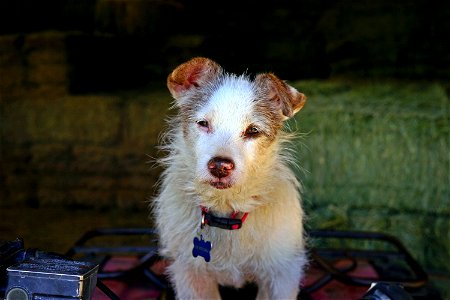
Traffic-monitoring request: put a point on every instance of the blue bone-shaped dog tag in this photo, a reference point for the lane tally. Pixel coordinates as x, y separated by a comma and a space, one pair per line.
202, 248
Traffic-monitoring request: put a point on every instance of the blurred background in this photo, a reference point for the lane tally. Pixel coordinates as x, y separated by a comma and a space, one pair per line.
83, 101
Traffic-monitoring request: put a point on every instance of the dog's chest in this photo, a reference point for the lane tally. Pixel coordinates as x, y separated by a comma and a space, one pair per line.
232, 256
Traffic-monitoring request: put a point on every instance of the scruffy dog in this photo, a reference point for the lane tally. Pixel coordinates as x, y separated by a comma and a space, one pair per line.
229, 210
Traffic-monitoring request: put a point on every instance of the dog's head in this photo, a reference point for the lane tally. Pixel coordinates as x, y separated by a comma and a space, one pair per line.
230, 123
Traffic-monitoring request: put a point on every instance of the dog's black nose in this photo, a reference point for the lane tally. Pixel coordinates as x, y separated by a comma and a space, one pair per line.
220, 167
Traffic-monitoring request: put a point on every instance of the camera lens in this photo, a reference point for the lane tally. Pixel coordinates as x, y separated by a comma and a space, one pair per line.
17, 294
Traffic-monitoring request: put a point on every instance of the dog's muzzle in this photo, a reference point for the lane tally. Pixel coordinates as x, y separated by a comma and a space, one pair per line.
220, 167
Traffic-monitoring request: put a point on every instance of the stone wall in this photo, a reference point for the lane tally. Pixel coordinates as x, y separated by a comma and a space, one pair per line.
59, 148
33, 63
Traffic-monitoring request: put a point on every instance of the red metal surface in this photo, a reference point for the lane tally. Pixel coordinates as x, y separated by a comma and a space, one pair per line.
338, 290
135, 290
126, 290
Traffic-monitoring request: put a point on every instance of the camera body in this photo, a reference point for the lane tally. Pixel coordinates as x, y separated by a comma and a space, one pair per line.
32, 274
51, 278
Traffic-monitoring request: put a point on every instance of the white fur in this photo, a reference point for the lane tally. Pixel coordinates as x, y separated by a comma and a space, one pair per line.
269, 248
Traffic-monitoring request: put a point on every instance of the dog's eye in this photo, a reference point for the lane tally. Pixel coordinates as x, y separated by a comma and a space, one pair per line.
203, 123
251, 131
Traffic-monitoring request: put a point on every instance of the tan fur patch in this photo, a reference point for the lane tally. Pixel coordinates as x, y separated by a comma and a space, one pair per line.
289, 100
193, 73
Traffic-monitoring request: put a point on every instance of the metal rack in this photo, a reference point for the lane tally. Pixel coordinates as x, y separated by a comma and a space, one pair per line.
391, 262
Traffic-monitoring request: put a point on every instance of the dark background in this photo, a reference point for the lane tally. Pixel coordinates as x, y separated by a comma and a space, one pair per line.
122, 44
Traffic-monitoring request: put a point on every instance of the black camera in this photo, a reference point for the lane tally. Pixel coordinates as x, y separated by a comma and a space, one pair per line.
27, 274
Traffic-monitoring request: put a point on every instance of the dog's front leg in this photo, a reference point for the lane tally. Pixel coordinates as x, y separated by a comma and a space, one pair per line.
277, 290
281, 283
192, 283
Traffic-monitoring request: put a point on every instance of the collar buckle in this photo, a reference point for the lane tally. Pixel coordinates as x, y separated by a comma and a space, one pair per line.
219, 222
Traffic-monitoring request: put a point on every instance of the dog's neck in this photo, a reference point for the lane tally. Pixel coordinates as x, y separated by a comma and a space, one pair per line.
223, 206
233, 222
244, 198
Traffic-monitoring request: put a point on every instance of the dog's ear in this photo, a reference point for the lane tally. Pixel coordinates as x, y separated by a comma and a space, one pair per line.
284, 96
191, 75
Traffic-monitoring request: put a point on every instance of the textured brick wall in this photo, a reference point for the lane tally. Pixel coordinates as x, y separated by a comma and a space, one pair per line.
33, 63
58, 148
